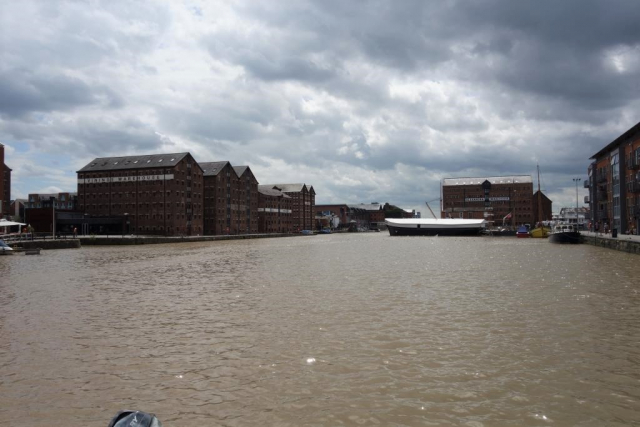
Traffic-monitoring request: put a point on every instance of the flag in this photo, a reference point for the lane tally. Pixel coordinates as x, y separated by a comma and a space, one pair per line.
507, 217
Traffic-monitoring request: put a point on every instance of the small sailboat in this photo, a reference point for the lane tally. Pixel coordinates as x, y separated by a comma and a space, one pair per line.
540, 231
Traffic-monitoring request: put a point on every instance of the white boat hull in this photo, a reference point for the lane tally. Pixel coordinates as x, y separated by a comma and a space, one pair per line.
435, 227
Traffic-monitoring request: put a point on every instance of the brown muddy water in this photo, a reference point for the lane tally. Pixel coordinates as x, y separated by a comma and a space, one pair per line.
351, 329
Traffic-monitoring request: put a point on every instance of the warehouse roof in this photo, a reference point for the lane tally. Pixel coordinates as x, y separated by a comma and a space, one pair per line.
240, 169
269, 190
289, 188
213, 168
133, 162
513, 179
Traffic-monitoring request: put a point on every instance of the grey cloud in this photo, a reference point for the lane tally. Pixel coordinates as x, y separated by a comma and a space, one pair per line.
22, 92
315, 88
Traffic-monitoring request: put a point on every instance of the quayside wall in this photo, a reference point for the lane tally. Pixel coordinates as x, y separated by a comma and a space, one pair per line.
623, 243
151, 240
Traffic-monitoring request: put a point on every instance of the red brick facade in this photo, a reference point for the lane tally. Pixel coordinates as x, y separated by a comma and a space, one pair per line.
5, 185
303, 201
274, 210
469, 198
154, 194
247, 201
231, 199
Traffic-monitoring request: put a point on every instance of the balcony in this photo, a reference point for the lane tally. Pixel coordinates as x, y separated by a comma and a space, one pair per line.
601, 177
586, 199
601, 195
587, 183
632, 163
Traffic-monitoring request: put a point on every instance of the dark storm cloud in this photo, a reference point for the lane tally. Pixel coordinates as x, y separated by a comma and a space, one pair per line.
544, 48
22, 92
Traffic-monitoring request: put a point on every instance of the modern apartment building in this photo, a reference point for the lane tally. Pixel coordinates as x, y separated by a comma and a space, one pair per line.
497, 199
5, 185
614, 184
158, 194
62, 201
274, 210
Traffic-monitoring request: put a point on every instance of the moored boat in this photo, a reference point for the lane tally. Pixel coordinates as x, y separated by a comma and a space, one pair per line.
5, 249
564, 233
523, 232
540, 232
433, 227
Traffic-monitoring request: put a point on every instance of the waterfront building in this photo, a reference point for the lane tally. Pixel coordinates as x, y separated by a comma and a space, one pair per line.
373, 217
41, 209
158, 194
62, 201
499, 199
5, 185
338, 212
303, 200
220, 195
367, 216
17, 208
230, 199
274, 210
614, 184
248, 200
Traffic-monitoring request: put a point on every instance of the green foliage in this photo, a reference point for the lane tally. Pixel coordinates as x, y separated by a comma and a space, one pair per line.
391, 211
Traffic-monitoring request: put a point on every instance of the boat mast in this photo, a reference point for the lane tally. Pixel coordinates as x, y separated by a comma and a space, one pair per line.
539, 198
429, 207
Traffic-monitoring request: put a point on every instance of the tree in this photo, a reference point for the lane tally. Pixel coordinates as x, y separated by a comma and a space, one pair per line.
391, 211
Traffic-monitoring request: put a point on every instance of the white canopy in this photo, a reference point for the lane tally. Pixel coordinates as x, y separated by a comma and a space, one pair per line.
6, 223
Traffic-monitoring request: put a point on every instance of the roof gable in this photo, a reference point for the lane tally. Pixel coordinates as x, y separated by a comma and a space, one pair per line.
213, 168
245, 170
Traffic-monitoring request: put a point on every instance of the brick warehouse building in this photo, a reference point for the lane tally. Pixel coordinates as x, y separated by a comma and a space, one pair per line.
152, 194
5, 185
614, 184
274, 211
490, 198
248, 200
230, 199
303, 200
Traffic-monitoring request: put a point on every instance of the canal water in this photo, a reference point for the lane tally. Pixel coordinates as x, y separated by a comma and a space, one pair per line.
349, 329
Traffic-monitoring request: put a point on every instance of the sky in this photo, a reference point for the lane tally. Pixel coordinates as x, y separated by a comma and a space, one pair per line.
368, 101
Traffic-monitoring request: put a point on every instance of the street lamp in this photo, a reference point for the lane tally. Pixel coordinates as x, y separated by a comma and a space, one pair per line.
577, 180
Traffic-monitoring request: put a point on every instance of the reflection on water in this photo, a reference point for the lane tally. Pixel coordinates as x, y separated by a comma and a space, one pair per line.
327, 330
